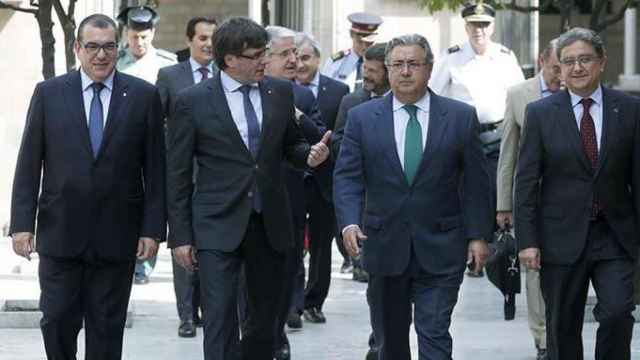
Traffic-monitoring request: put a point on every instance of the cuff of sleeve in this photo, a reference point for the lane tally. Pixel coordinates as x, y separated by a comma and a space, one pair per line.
348, 227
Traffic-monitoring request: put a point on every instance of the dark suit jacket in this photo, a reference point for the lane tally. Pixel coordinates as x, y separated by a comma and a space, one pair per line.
429, 216
216, 215
348, 102
173, 79
104, 204
555, 182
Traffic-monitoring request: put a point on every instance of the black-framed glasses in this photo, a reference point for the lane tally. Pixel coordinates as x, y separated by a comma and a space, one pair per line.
584, 61
401, 65
257, 56
286, 53
93, 47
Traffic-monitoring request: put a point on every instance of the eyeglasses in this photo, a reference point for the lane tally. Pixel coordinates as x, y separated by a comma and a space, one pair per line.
584, 61
401, 65
286, 53
94, 48
257, 56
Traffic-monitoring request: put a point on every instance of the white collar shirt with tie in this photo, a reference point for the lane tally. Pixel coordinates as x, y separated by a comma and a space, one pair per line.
401, 119
236, 106
195, 70
105, 94
314, 85
595, 110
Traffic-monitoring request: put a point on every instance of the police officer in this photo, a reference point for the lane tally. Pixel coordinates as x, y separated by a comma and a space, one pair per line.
479, 72
138, 57
346, 65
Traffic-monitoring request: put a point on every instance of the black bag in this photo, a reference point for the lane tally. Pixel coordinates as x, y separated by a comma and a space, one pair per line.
503, 269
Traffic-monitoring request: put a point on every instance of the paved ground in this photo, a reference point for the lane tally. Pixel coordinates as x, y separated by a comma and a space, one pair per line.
478, 329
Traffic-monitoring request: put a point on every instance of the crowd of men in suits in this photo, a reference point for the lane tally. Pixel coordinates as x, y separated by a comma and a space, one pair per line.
248, 149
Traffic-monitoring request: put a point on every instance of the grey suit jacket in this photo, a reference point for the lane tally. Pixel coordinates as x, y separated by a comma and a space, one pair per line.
518, 97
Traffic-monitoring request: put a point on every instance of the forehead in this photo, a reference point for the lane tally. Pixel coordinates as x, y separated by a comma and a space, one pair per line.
306, 49
412, 52
282, 43
204, 27
91, 33
578, 48
145, 32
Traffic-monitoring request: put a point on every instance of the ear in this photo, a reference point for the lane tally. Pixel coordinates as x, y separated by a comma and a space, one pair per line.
230, 60
76, 46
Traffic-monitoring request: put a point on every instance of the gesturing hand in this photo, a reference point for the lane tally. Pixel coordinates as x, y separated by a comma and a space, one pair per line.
320, 151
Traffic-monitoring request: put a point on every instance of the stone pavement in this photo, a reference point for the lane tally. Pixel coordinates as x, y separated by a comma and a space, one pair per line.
478, 329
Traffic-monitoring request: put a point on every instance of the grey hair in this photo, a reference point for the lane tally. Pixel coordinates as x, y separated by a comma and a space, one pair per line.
410, 40
552, 46
279, 32
580, 34
303, 39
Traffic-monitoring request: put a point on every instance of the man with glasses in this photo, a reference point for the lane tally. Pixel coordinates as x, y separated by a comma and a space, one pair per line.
171, 80
240, 126
397, 193
577, 201
479, 72
545, 84
91, 168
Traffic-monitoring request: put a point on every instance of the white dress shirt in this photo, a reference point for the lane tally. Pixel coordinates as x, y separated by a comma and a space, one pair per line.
313, 85
595, 110
105, 95
195, 67
401, 119
236, 106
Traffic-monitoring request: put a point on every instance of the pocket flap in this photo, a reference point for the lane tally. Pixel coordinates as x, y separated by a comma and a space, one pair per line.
448, 223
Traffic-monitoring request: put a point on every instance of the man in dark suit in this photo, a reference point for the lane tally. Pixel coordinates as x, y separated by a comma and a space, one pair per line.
375, 84
239, 126
172, 79
577, 201
419, 229
320, 217
95, 139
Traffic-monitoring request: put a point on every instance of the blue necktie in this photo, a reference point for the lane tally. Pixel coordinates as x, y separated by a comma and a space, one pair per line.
96, 118
254, 140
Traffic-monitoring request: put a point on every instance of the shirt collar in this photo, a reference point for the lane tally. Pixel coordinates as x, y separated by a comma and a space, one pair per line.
543, 85
373, 94
596, 96
422, 104
230, 84
86, 80
195, 66
315, 82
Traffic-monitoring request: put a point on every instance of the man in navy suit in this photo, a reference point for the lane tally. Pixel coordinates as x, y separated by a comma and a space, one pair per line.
577, 201
399, 190
240, 126
318, 189
171, 80
92, 167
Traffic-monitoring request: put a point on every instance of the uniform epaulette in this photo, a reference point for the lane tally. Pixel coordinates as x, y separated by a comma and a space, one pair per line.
340, 54
167, 54
505, 49
453, 49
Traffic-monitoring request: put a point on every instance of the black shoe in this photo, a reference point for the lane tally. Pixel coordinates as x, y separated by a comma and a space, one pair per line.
314, 315
140, 279
346, 267
542, 354
284, 353
360, 275
372, 354
294, 321
187, 329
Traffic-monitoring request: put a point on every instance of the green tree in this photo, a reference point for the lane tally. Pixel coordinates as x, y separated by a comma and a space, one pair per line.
598, 22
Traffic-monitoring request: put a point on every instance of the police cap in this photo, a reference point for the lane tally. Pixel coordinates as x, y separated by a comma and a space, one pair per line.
364, 23
479, 12
138, 18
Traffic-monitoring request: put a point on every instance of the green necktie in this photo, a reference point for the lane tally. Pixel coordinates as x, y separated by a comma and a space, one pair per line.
412, 144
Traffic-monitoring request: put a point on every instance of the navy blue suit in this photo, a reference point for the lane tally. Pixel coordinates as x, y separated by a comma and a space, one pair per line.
417, 233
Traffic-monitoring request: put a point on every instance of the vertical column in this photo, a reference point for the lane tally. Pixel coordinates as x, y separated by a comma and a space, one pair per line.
630, 80
255, 10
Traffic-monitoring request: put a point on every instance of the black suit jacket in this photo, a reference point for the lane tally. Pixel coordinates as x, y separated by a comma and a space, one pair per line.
173, 79
348, 101
555, 182
106, 203
216, 215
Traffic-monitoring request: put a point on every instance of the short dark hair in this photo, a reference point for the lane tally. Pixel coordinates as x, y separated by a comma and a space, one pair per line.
376, 52
236, 35
99, 21
191, 25
580, 34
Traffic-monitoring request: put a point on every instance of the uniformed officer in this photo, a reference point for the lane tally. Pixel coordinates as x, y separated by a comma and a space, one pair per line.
138, 57
479, 72
346, 65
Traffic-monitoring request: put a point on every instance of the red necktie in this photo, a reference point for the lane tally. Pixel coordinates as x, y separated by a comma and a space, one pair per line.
589, 144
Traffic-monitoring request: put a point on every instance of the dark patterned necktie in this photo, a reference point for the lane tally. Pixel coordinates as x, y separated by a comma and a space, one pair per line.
96, 118
589, 144
204, 72
253, 128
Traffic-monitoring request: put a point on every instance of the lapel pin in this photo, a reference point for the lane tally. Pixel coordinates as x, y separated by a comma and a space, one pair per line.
615, 110
269, 91
124, 94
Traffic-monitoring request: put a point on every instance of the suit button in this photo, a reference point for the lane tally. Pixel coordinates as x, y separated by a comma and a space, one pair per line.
250, 194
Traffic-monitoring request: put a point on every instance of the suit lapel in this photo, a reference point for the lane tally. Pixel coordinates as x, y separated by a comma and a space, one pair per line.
266, 92
567, 120
610, 112
75, 103
220, 107
386, 134
435, 130
117, 106
187, 75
